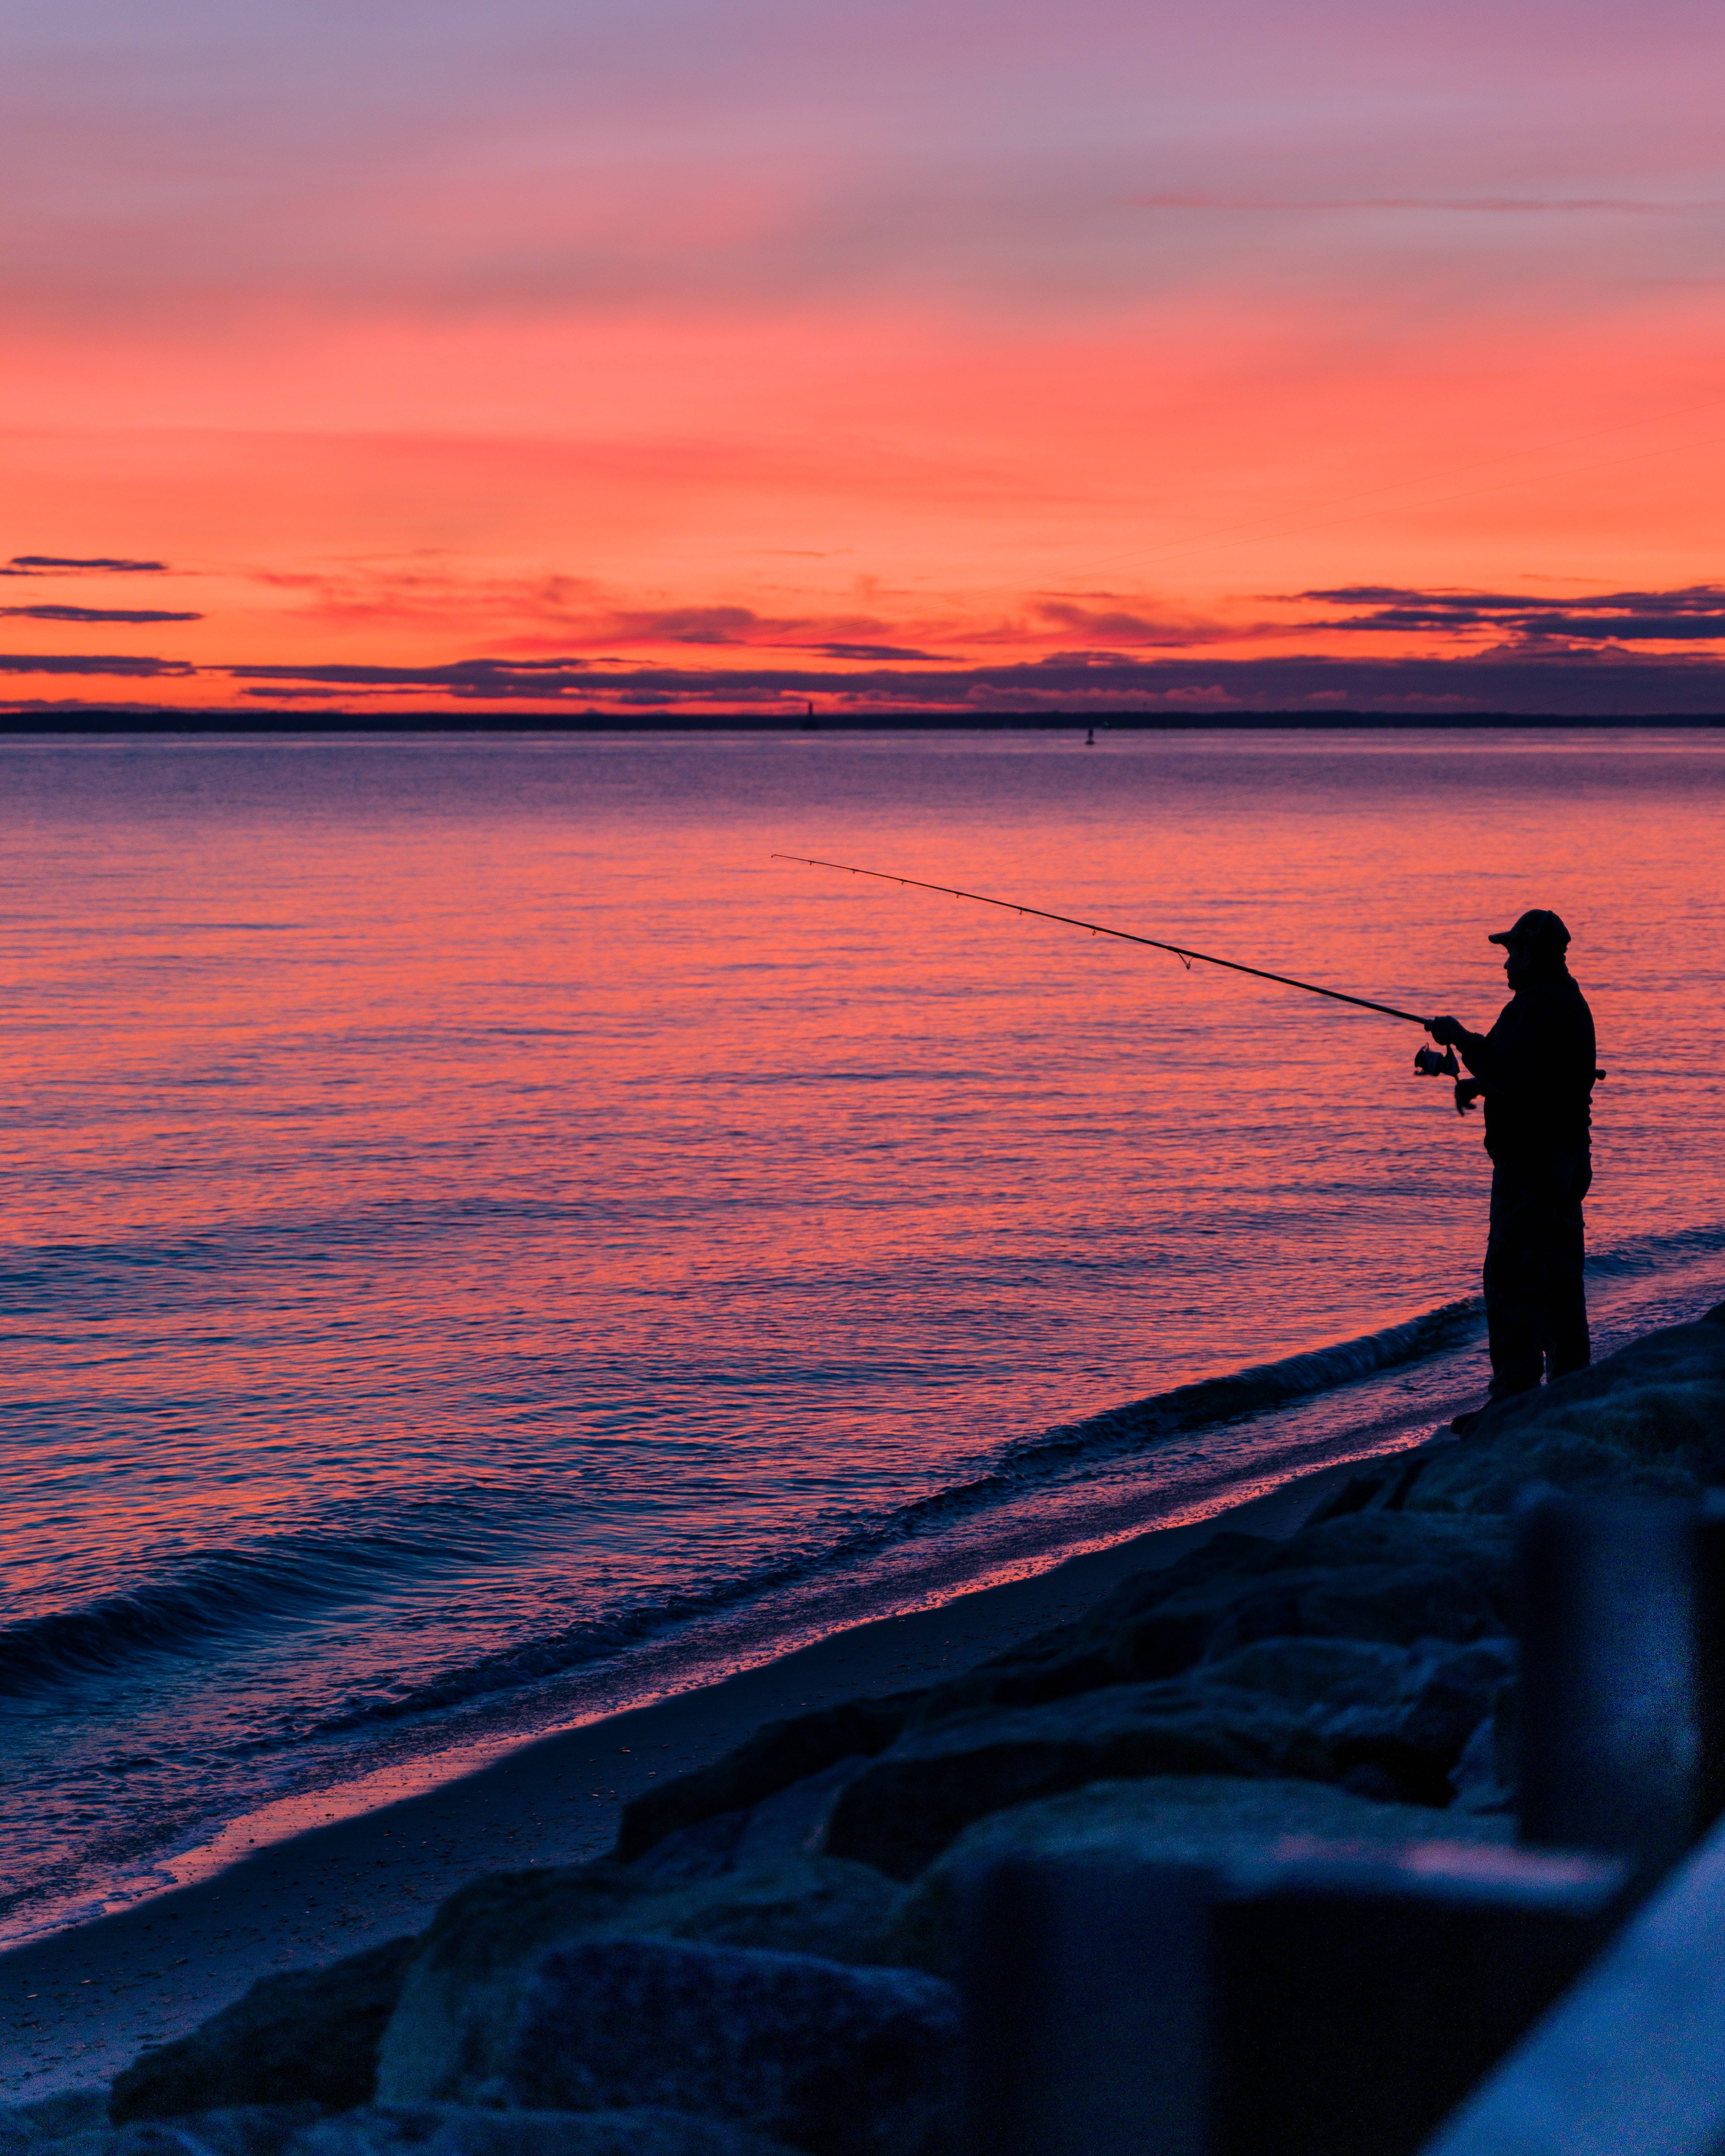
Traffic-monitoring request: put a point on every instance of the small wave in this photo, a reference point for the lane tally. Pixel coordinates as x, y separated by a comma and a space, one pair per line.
222, 1594
230, 1594
1209, 1403
1639, 1255
1265, 1385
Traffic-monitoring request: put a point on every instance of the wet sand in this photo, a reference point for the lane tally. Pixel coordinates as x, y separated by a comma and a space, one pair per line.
76, 2007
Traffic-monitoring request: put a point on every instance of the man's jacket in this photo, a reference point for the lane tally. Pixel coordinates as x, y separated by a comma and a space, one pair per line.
1535, 1066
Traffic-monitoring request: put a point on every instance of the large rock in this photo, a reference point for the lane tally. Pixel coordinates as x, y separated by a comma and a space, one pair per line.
439, 2130
1309, 1674
449, 2130
1649, 1421
776, 1755
464, 1990
1074, 1658
839, 2061
1441, 1697
1196, 1819
309, 2035
1387, 1577
792, 1822
905, 1808
24, 2128
242, 2130
1408, 1711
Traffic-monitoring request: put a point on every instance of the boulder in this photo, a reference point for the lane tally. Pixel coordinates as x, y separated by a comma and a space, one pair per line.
1649, 1420
1074, 1658
839, 2061
237, 2130
434, 2130
1442, 1695
1477, 1778
449, 2130
907, 1805
790, 1823
1306, 1674
1476, 1552
1494, 1478
1408, 1711
776, 1755
1391, 1577
1383, 1486
462, 1992
26, 2126
309, 2035
1388, 1604
1383, 1576
1198, 1819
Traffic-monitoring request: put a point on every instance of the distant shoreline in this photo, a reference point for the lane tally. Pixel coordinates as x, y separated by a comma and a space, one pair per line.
16, 724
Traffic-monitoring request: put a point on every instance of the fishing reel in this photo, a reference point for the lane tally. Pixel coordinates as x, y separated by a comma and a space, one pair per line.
1428, 1063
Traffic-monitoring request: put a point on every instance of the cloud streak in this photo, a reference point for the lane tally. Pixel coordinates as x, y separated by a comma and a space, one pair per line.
93, 613
1552, 686
1694, 614
27, 662
36, 565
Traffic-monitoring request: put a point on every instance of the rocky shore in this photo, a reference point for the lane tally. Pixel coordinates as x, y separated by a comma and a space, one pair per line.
765, 1961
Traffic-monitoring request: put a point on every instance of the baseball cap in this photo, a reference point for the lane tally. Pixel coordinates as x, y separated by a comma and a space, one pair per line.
1537, 926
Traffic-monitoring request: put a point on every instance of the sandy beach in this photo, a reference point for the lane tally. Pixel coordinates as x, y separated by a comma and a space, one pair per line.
80, 2004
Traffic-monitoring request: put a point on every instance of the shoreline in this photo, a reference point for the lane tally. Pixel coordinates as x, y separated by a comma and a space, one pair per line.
78, 2005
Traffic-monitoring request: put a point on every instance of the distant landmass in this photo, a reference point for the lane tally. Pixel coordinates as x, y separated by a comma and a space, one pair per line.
300, 722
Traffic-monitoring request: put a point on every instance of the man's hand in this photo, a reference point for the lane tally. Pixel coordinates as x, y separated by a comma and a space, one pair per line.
1446, 1032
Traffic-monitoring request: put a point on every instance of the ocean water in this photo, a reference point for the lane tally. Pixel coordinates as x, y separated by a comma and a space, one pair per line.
481, 1242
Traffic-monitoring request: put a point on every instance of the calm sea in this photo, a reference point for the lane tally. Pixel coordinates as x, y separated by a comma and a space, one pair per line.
482, 1243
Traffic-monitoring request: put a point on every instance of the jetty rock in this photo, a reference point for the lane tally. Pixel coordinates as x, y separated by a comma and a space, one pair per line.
778, 1754
450, 2130
462, 1992
1187, 1819
432, 2130
1648, 1421
1379, 1576
774, 1931
904, 1808
839, 2061
307, 2035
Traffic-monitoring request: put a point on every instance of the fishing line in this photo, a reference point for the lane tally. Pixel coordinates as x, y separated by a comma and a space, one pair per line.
1184, 953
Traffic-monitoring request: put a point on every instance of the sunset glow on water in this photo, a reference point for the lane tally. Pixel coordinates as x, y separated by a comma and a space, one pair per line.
470, 1213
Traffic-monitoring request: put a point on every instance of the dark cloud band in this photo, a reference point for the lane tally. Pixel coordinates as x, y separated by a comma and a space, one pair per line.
28, 565
93, 613
1693, 614
1551, 686
25, 662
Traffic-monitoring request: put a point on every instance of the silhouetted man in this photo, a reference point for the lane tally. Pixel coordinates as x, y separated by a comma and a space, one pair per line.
1535, 1070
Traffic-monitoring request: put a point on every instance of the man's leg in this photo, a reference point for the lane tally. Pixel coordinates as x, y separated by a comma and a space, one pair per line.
1514, 1285
1567, 1345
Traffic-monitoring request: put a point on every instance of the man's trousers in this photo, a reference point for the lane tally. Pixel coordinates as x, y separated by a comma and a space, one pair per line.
1536, 1304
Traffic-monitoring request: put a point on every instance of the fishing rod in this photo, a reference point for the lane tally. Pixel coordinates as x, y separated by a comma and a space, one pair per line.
1445, 1066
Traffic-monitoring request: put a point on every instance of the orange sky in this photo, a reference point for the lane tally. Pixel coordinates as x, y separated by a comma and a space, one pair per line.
719, 355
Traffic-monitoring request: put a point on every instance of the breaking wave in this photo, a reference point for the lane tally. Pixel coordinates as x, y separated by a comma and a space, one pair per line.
220, 1595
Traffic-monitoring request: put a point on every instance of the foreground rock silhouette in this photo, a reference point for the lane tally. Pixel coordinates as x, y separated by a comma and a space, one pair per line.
1350, 1683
